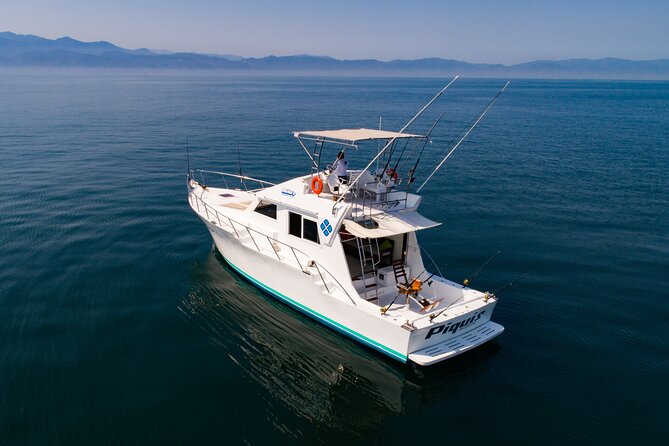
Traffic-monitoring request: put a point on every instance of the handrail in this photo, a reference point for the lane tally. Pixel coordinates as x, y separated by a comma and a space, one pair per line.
365, 199
263, 183
208, 208
336, 280
313, 263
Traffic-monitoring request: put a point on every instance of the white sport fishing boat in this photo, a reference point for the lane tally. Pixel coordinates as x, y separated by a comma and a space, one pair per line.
343, 249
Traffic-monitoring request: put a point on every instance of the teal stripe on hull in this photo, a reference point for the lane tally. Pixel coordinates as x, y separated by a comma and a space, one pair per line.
323, 319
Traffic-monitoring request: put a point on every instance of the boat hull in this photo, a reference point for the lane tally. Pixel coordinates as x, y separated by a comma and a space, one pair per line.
300, 291
424, 346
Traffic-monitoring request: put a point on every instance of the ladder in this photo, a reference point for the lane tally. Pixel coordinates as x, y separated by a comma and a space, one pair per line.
315, 166
401, 280
365, 244
400, 273
365, 208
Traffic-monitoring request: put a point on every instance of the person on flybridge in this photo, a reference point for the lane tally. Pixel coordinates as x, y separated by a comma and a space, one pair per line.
341, 168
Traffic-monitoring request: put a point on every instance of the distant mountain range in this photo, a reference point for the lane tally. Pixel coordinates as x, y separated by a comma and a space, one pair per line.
29, 50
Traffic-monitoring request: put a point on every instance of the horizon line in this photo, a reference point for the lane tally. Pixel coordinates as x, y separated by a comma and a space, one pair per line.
223, 55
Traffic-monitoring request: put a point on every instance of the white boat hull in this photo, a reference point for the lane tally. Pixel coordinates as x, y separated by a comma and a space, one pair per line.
340, 245
299, 290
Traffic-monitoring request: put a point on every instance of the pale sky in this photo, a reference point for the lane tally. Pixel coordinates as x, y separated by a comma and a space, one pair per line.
508, 31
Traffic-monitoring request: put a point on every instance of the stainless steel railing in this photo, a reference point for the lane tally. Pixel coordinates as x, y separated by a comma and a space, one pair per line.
243, 179
367, 200
222, 220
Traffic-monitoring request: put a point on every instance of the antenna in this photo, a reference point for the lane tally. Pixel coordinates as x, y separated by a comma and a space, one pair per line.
481, 115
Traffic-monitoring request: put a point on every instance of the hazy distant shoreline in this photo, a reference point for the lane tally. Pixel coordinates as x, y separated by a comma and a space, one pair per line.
33, 51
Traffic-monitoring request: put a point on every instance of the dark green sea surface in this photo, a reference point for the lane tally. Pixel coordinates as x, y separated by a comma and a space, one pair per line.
119, 324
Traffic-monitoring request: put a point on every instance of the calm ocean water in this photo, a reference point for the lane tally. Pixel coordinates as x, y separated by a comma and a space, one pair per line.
119, 324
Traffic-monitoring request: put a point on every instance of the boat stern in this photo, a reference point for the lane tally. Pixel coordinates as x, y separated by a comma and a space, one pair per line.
444, 337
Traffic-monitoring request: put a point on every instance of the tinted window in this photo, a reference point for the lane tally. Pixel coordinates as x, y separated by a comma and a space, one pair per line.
310, 230
268, 209
295, 224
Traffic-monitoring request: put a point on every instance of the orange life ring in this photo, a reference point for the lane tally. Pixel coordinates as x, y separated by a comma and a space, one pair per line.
317, 185
392, 174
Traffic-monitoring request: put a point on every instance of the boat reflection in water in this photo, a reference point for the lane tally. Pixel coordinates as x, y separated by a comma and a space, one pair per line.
307, 370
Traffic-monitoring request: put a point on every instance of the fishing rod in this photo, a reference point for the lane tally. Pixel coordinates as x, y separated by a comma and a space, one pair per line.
510, 284
427, 140
188, 160
378, 143
480, 116
385, 309
476, 273
239, 162
392, 150
392, 153
408, 287
413, 149
392, 140
467, 282
487, 295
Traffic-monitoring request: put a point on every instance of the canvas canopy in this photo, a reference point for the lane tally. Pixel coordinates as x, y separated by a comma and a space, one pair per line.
353, 135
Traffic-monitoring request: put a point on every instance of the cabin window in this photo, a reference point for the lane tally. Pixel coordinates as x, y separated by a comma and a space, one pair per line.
267, 209
302, 227
295, 224
310, 230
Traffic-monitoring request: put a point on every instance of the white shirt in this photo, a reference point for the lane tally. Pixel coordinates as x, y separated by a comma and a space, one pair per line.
341, 168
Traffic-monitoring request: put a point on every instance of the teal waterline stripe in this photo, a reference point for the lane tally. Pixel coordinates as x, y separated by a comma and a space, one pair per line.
324, 319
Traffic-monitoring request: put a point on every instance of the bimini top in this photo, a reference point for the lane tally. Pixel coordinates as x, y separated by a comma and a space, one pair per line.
353, 135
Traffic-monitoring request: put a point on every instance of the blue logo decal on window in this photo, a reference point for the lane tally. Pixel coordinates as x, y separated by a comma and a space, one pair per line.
326, 227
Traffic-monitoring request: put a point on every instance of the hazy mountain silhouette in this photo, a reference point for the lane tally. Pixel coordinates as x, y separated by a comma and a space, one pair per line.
29, 50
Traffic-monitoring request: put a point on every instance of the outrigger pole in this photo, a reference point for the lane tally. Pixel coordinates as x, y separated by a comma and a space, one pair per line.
464, 136
389, 143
